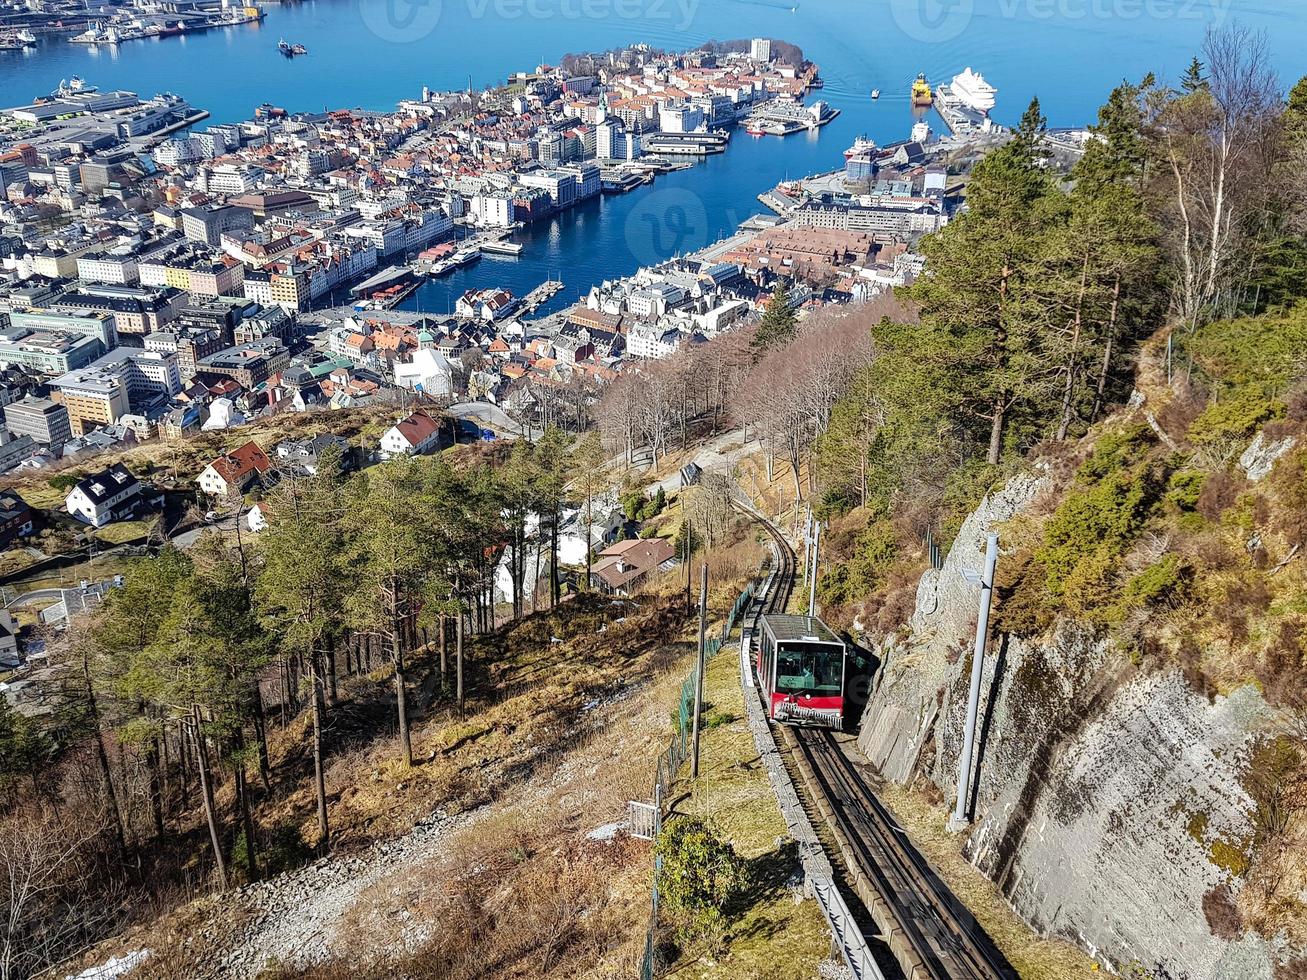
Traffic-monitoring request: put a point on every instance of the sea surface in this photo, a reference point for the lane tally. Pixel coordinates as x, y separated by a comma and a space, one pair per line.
371, 53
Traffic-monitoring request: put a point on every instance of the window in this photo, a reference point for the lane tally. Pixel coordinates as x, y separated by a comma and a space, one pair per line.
811, 667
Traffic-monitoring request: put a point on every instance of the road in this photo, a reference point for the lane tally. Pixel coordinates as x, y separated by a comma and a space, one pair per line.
490, 416
721, 452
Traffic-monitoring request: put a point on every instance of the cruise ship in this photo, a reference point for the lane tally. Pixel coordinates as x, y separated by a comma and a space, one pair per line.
971, 89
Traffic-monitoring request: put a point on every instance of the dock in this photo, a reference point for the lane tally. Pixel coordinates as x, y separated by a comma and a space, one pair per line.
537, 298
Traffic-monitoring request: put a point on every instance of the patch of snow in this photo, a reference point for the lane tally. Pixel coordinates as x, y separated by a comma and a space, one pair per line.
118, 966
607, 832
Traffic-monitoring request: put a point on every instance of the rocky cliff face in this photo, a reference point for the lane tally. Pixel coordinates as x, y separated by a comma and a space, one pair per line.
1108, 801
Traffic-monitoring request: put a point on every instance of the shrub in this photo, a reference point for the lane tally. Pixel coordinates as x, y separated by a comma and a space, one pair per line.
1234, 416
700, 875
1096, 523
1166, 580
1184, 490
63, 481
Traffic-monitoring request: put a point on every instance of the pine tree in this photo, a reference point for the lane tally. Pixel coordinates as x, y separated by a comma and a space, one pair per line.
302, 587
1194, 79
983, 295
390, 553
778, 320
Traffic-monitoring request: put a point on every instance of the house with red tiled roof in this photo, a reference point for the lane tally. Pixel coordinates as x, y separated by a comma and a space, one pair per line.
414, 436
234, 472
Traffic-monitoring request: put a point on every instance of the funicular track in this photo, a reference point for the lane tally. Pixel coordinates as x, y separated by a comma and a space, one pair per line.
929, 932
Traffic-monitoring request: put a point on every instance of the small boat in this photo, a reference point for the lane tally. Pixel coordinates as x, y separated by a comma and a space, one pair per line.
291, 50
875, 93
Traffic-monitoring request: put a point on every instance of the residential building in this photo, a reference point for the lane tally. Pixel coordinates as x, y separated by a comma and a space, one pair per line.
14, 449
624, 567
414, 436
247, 364
15, 518
102, 498
304, 456
234, 473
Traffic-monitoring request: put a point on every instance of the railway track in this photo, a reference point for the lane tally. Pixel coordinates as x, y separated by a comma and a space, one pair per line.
930, 933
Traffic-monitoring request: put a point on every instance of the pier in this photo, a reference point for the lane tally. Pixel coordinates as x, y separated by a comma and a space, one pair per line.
537, 298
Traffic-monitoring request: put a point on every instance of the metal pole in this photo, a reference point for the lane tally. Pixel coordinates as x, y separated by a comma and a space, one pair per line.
812, 577
960, 818
698, 673
689, 553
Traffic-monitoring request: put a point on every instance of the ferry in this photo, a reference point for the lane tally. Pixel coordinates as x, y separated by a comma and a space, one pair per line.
971, 89
921, 93
860, 146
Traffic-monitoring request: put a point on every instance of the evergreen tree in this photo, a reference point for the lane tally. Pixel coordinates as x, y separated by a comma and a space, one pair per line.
1194, 78
779, 321
390, 554
982, 297
25, 750
302, 587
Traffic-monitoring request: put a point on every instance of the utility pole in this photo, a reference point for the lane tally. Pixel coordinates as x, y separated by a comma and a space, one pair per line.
689, 553
812, 576
960, 820
698, 673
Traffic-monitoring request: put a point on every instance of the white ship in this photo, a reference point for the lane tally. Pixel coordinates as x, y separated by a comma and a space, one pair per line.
971, 89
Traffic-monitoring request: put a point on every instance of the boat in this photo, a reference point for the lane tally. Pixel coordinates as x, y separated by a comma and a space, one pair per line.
291, 50
502, 248
921, 93
16, 40
860, 146
971, 89
875, 93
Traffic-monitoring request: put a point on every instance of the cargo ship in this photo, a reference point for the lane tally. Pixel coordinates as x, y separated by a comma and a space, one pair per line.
921, 93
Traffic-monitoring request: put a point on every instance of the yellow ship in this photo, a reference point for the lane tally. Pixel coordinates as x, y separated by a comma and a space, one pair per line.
921, 94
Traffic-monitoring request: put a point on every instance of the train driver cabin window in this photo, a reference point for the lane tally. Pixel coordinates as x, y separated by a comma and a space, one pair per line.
809, 667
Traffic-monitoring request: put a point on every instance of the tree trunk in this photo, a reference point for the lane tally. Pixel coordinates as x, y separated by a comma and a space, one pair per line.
996, 430
261, 735
156, 786
319, 778
102, 756
1068, 391
444, 651
458, 664
401, 702
1105, 370
206, 790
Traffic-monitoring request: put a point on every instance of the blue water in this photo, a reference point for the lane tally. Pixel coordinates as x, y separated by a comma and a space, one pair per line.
371, 53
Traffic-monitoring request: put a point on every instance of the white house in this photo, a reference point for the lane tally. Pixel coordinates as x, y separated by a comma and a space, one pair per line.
257, 519
414, 436
234, 472
104, 497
